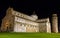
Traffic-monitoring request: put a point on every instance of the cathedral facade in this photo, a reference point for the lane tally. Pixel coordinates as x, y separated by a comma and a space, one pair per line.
15, 21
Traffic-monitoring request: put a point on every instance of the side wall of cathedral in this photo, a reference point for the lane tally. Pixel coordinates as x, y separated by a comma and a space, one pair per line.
44, 25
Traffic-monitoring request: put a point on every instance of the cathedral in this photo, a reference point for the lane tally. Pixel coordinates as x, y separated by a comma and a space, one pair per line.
15, 21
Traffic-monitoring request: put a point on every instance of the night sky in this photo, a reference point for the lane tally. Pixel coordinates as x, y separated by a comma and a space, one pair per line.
42, 8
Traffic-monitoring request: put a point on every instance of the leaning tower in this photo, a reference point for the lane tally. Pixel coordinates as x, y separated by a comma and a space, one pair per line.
54, 23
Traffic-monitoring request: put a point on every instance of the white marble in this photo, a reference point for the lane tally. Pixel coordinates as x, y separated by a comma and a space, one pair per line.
19, 28
25, 21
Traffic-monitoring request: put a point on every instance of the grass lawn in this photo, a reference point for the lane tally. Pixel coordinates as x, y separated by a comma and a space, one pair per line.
29, 35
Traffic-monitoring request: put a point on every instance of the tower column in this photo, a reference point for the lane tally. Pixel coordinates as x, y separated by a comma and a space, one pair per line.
54, 23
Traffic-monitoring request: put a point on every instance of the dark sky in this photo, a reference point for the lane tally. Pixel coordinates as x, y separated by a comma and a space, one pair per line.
42, 8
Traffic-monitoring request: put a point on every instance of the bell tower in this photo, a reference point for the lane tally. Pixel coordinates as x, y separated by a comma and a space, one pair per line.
54, 23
